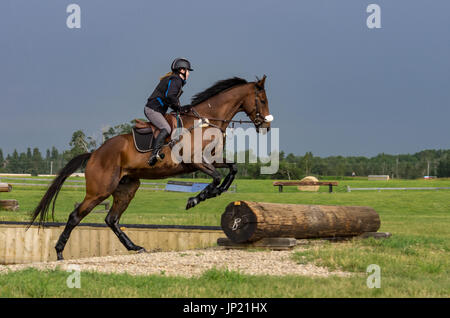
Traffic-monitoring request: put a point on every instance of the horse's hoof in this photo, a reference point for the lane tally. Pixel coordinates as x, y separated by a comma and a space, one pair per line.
191, 203
59, 257
142, 250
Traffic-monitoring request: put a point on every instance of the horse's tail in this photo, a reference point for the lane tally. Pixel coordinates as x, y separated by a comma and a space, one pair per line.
52, 192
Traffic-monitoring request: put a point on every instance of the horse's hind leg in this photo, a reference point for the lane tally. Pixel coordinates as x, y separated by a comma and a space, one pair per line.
123, 194
99, 185
89, 202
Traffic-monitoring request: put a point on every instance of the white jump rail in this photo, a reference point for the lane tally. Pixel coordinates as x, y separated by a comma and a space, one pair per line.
156, 186
349, 189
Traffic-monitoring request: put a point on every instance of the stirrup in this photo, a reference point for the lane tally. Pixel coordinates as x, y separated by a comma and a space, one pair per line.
159, 157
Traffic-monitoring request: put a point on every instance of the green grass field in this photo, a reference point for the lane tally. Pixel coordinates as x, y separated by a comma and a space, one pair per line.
414, 262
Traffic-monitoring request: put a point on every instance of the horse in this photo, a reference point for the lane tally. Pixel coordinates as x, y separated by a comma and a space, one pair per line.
116, 167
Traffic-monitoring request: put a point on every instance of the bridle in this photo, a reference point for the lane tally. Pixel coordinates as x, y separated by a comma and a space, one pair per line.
206, 121
257, 121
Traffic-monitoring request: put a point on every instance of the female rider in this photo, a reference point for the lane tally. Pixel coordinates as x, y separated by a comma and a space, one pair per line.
166, 95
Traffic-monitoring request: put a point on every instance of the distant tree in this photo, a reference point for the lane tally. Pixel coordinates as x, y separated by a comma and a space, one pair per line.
291, 158
80, 143
37, 162
13, 162
23, 162
109, 133
26, 161
443, 170
320, 167
57, 159
7, 163
10, 163
307, 163
121, 129
54, 155
2, 160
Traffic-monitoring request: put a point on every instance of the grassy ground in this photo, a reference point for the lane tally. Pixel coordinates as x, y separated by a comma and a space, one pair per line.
414, 262
215, 284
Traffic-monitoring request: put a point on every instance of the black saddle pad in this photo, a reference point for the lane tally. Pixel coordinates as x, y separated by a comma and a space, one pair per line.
143, 139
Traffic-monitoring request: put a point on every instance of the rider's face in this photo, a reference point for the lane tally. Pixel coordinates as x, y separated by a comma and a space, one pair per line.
185, 73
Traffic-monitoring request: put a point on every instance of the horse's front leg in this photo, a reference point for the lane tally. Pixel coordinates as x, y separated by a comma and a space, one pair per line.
229, 178
211, 190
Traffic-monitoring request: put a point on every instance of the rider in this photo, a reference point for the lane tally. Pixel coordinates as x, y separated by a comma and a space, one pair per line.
165, 95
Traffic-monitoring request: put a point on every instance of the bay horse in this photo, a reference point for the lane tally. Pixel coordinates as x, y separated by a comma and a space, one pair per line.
116, 167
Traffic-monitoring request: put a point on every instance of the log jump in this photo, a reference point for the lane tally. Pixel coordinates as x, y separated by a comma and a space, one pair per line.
5, 187
245, 221
8, 205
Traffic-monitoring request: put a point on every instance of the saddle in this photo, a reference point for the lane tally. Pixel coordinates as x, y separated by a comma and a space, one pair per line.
144, 132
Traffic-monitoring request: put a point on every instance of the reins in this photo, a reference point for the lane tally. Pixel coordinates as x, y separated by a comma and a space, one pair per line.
197, 115
259, 119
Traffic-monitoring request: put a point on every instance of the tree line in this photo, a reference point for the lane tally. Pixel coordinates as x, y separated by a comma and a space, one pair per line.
293, 167
403, 166
33, 162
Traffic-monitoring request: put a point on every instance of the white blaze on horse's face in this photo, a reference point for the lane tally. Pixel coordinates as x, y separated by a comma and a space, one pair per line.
268, 118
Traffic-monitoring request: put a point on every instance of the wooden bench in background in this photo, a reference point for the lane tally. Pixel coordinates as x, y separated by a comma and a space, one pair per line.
282, 184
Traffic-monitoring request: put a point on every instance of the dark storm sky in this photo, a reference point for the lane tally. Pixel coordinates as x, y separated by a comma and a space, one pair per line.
335, 87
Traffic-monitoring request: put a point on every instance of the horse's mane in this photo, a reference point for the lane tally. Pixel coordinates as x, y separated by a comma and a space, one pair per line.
217, 88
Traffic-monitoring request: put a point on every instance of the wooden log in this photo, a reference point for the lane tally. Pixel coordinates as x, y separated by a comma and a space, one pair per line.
5, 187
9, 205
245, 221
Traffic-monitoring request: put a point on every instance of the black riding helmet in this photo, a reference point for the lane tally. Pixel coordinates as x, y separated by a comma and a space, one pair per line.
181, 62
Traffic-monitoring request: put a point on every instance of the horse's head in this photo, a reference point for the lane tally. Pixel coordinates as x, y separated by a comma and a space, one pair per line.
256, 106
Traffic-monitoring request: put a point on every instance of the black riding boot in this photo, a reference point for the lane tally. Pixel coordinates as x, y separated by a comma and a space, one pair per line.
159, 142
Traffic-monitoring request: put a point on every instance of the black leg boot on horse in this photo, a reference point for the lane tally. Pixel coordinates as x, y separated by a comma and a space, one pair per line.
159, 142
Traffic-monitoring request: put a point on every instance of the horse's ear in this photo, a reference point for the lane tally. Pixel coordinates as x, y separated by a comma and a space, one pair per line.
260, 82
